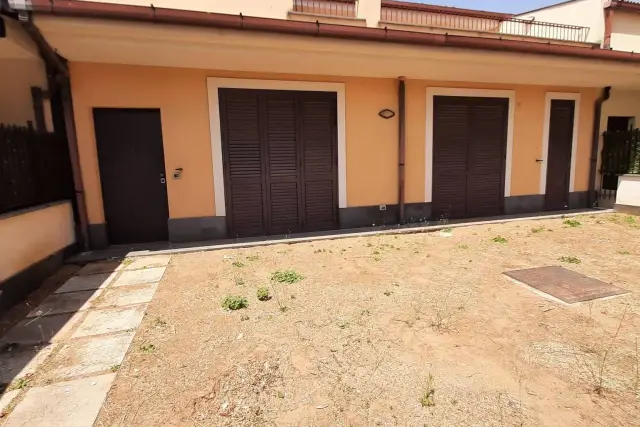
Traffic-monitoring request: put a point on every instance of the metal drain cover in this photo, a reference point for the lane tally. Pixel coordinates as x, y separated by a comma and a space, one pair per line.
565, 285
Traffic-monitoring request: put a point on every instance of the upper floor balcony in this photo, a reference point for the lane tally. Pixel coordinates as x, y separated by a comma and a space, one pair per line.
486, 24
411, 16
332, 8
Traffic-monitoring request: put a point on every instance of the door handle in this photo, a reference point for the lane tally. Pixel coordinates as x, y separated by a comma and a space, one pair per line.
539, 160
163, 180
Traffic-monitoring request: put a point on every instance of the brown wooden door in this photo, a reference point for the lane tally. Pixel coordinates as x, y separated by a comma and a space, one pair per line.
132, 174
559, 154
280, 162
469, 151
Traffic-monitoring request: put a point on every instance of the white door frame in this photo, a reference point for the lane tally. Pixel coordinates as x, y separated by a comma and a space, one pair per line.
545, 136
215, 83
475, 93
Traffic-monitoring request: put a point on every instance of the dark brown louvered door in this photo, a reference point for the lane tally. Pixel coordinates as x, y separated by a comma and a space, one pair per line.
283, 163
243, 158
469, 150
280, 161
559, 155
320, 159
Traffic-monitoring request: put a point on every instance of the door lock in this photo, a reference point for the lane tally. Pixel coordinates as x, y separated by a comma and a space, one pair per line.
163, 180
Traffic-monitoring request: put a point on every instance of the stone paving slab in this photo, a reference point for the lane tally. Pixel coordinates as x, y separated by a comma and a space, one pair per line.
110, 320
100, 267
126, 295
139, 277
89, 356
149, 262
66, 404
20, 362
86, 283
7, 398
65, 303
42, 330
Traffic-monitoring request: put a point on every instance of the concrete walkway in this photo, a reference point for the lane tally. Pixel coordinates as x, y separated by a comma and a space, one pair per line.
62, 359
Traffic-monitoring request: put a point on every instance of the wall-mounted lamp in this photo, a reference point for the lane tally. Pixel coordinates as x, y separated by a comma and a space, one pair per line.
386, 113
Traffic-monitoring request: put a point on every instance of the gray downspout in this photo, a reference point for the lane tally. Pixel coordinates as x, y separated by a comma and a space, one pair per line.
595, 143
401, 148
49, 56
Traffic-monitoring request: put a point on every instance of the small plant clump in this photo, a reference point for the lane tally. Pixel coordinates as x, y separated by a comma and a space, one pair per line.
253, 258
114, 368
263, 294
463, 246
570, 259
286, 276
159, 323
499, 239
630, 220
237, 264
538, 229
429, 393
624, 253
234, 302
148, 348
572, 223
20, 383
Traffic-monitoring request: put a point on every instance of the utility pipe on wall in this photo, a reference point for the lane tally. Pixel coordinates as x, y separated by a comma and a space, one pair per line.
595, 143
401, 147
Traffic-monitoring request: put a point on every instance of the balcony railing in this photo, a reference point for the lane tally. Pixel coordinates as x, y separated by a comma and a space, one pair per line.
337, 8
481, 22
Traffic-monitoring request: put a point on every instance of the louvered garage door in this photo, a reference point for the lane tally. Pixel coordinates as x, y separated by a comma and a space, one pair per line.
280, 161
469, 152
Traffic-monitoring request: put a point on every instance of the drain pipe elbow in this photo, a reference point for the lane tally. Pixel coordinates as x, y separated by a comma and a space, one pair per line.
595, 144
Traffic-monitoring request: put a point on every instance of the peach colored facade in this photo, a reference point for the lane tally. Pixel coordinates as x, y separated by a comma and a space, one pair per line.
29, 237
371, 142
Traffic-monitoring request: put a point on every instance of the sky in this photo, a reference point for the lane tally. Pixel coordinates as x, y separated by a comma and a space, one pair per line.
506, 6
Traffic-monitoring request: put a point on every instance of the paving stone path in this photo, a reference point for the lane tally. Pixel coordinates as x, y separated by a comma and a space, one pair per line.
64, 354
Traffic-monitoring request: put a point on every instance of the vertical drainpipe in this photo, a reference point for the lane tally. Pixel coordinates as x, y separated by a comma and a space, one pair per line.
50, 56
401, 147
595, 143
72, 140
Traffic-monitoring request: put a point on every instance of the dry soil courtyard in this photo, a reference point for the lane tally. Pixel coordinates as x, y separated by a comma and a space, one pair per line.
392, 330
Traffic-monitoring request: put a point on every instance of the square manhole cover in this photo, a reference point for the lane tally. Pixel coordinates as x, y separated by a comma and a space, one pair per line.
565, 285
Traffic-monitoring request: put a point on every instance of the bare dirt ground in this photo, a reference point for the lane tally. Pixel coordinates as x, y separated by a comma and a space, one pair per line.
408, 330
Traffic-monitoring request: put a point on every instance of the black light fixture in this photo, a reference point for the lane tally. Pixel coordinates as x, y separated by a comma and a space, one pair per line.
386, 113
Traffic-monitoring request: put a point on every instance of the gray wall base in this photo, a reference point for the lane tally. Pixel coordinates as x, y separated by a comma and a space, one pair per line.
197, 229
627, 209
524, 204
372, 216
98, 238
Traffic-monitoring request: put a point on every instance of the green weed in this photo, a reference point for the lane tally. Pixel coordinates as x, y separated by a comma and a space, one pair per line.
286, 276
263, 294
499, 239
572, 223
570, 259
234, 302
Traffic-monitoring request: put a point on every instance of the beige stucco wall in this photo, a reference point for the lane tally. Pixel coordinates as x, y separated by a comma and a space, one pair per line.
371, 142
26, 238
16, 78
628, 193
584, 13
20, 68
625, 34
368, 10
